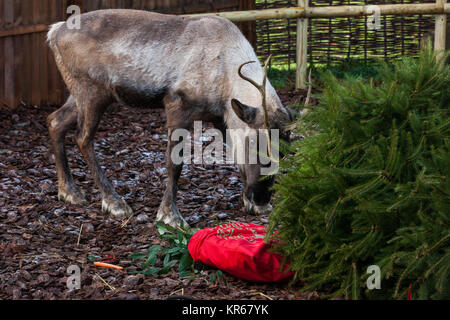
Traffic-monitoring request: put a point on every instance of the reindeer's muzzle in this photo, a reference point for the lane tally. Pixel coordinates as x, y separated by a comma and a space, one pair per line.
253, 208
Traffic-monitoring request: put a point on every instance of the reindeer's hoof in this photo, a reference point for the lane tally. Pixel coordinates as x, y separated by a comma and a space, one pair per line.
172, 218
117, 208
75, 196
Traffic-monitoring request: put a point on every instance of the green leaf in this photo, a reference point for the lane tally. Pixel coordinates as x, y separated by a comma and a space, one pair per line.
153, 271
154, 249
168, 266
138, 256
186, 273
93, 258
186, 263
151, 260
176, 253
173, 251
164, 228
166, 259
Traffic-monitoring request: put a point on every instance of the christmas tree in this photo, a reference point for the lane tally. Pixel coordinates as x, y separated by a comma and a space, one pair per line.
369, 185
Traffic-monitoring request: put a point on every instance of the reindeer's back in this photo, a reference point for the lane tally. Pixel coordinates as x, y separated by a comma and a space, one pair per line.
152, 53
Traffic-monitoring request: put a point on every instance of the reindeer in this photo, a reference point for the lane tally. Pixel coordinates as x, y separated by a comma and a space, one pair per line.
185, 64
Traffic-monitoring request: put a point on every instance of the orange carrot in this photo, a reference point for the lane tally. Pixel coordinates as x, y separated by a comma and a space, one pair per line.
107, 265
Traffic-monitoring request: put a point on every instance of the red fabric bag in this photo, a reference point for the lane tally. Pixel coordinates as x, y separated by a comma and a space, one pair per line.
239, 249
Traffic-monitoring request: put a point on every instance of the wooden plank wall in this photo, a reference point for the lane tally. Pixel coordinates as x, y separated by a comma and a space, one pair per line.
165, 6
28, 73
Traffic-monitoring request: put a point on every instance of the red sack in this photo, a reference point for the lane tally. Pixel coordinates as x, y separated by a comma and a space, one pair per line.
239, 249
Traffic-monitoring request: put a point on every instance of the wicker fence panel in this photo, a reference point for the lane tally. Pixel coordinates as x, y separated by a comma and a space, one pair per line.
336, 39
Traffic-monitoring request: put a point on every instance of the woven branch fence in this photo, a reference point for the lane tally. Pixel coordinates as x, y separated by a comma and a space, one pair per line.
331, 40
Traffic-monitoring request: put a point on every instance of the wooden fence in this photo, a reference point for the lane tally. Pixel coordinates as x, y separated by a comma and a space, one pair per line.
331, 40
28, 73
303, 13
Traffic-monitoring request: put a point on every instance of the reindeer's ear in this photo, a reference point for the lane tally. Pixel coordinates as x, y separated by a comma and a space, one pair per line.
244, 112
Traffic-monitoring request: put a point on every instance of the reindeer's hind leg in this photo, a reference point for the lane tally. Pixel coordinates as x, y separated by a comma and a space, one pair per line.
59, 122
92, 102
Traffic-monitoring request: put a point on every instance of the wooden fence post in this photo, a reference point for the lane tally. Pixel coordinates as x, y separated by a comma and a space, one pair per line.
248, 28
9, 54
302, 49
440, 31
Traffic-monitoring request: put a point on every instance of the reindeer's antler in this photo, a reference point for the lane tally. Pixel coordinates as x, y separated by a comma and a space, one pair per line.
260, 87
262, 90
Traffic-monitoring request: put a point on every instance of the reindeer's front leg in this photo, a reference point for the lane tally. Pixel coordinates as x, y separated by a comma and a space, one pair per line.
168, 211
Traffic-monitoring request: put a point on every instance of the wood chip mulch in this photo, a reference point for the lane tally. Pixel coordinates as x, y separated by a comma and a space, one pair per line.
40, 237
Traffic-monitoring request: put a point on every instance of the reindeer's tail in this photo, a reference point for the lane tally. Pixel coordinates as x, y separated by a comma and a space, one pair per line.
52, 40
51, 35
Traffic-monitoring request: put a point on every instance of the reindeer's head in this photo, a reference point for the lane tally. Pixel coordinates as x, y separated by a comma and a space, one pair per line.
259, 122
